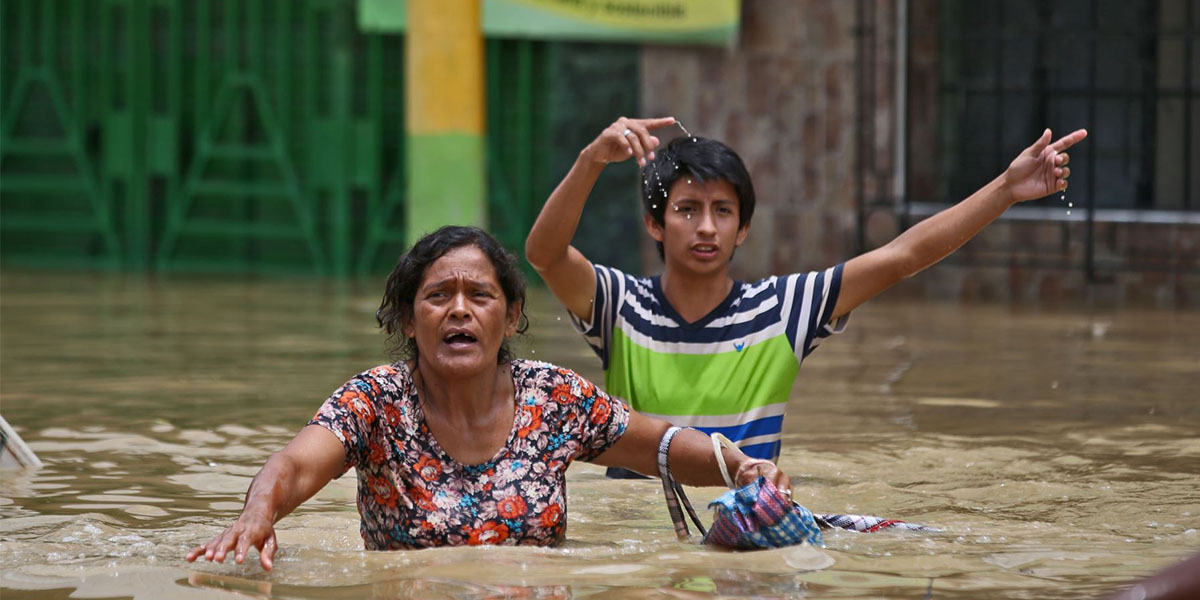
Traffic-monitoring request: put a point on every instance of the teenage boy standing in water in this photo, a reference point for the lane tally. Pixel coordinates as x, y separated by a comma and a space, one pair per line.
695, 347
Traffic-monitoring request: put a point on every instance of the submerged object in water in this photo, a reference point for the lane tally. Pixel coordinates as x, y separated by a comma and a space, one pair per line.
868, 524
14, 453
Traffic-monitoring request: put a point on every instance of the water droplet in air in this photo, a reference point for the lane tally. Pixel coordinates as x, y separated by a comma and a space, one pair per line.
693, 139
1068, 212
1070, 205
689, 182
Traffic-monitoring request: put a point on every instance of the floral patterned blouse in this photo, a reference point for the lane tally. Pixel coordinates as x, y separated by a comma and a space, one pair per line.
412, 494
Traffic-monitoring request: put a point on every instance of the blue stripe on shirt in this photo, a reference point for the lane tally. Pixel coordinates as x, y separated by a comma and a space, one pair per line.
755, 428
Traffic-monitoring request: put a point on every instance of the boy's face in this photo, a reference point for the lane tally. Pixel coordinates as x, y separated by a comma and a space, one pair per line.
700, 226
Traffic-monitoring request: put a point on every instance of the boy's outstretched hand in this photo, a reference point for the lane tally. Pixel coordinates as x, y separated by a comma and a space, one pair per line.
627, 138
1042, 168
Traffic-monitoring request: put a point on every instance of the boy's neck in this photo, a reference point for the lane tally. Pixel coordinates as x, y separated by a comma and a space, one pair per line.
695, 295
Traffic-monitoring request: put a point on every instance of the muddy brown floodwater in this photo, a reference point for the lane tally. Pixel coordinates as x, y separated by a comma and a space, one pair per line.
1058, 450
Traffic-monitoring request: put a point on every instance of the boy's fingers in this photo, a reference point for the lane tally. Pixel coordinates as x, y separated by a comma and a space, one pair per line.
1070, 139
647, 141
1041, 143
628, 146
656, 123
613, 135
636, 144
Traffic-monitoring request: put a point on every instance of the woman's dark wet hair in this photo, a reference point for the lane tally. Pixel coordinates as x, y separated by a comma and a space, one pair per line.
401, 289
699, 158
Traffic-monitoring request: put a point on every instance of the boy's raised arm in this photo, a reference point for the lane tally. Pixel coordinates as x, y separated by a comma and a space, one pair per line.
548, 247
1038, 171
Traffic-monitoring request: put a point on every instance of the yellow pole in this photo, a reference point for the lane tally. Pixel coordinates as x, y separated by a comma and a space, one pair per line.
444, 116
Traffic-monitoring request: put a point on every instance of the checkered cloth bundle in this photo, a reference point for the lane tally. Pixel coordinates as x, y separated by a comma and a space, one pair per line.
758, 516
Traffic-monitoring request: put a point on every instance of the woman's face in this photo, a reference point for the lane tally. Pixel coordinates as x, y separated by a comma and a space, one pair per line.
460, 314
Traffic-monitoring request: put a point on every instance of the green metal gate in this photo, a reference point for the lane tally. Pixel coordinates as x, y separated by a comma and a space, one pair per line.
56, 208
247, 135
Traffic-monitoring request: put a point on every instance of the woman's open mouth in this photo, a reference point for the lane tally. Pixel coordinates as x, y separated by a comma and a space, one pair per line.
459, 339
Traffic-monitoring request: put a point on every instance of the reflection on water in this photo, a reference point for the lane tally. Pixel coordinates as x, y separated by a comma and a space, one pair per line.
1058, 451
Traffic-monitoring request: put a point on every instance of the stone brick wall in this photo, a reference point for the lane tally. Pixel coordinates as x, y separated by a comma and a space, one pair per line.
786, 97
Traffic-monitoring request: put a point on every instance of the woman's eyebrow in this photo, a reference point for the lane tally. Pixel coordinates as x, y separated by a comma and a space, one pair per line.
436, 284
484, 283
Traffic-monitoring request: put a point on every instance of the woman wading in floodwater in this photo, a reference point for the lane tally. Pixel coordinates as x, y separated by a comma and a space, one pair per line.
460, 443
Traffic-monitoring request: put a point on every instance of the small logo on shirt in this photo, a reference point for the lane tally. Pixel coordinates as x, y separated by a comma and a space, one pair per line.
739, 345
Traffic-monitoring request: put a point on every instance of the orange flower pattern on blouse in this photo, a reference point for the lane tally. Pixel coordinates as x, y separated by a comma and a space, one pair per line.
412, 494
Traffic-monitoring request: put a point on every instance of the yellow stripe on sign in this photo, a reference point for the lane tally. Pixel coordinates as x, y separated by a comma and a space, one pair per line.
650, 15
444, 67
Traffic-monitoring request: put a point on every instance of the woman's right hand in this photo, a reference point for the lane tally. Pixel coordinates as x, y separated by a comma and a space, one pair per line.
627, 138
249, 530
291, 476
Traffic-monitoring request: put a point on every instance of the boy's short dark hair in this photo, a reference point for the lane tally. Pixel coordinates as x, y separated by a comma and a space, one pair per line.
699, 158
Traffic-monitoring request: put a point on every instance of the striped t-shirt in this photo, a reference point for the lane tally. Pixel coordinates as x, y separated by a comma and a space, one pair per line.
732, 370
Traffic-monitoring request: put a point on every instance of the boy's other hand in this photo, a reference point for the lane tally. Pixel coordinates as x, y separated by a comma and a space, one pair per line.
627, 138
1041, 169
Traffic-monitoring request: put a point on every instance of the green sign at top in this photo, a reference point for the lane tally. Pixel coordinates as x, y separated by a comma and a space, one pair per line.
634, 21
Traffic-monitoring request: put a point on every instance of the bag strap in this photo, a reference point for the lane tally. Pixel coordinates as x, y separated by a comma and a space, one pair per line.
673, 491
719, 440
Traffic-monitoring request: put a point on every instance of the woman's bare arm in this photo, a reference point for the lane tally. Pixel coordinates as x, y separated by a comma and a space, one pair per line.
291, 476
